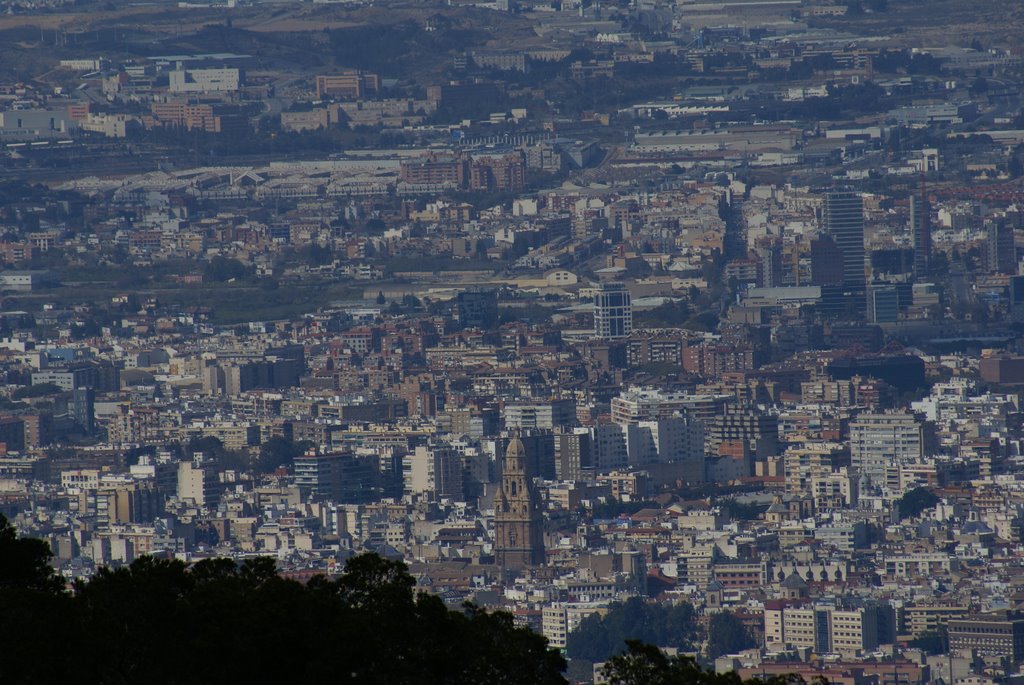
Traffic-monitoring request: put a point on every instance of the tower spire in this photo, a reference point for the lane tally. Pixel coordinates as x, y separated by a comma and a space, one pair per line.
518, 520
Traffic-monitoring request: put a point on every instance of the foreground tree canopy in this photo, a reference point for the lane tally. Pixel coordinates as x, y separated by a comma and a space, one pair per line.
160, 621
163, 622
643, 664
598, 638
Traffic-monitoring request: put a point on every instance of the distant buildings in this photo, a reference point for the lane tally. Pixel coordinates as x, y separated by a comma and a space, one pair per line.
398, 334
347, 85
224, 80
334, 476
202, 117
883, 303
503, 172
435, 472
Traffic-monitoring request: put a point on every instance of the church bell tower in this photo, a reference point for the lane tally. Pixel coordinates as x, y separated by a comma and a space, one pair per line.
518, 520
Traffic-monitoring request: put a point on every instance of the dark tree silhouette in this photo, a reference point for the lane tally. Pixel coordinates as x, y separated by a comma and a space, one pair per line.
916, 501
279, 451
601, 637
25, 562
163, 622
643, 664
727, 635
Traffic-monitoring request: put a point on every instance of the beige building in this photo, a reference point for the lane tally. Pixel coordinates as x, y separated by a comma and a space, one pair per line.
827, 629
917, 566
919, 619
312, 120
557, 621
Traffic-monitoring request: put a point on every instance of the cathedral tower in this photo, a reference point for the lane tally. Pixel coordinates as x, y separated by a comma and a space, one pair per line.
518, 521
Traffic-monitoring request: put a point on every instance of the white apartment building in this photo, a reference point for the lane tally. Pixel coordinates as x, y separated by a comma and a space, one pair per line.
433, 470
880, 440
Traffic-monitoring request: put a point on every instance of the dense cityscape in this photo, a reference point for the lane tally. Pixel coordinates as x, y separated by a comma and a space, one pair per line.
693, 323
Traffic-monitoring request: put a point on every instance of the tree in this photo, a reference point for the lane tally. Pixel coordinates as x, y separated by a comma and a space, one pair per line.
600, 637
371, 580
39, 390
668, 314
727, 635
231, 622
211, 447
316, 254
279, 451
1014, 166
742, 511
35, 613
915, 501
25, 562
705, 321
224, 269
644, 664
854, 8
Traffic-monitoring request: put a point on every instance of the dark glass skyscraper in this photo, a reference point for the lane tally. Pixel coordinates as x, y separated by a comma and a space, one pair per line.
826, 262
921, 231
844, 221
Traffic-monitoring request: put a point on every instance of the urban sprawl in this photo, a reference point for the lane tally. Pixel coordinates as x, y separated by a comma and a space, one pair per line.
575, 308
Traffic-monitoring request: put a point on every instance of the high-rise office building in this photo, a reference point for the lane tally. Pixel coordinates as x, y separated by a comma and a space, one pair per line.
921, 232
828, 628
826, 262
1000, 254
844, 221
613, 312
